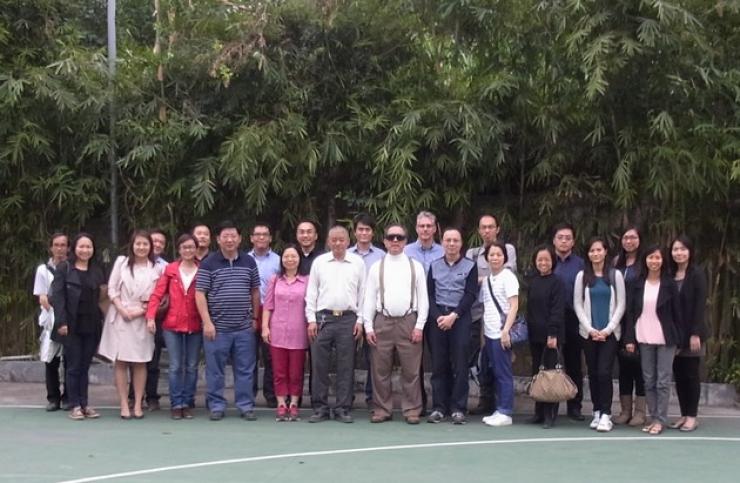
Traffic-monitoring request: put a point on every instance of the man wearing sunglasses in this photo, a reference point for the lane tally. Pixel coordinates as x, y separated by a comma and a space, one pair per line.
396, 305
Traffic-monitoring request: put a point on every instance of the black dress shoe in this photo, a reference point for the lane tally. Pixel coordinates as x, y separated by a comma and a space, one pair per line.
576, 415
318, 417
53, 406
343, 416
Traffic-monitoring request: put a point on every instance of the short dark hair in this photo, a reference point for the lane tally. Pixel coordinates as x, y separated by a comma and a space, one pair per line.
546, 247
200, 224
227, 225
501, 245
154, 231
57, 234
289, 246
186, 237
263, 224
365, 219
495, 218
563, 226
313, 223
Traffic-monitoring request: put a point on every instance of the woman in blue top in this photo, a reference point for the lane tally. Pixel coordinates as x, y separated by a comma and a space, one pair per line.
630, 372
599, 301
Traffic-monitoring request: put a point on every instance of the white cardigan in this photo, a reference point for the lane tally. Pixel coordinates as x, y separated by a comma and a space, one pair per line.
617, 303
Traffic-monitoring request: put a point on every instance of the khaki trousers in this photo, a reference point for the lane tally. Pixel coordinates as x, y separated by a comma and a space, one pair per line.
394, 334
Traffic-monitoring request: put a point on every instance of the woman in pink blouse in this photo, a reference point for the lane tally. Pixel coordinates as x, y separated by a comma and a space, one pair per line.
284, 329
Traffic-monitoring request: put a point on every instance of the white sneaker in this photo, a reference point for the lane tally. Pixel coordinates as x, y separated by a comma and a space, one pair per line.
489, 418
605, 423
595, 420
499, 419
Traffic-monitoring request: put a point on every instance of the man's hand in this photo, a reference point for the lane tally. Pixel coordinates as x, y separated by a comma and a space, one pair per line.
695, 343
63, 331
357, 331
371, 338
552, 342
416, 336
151, 326
313, 331
44, 301
209, 331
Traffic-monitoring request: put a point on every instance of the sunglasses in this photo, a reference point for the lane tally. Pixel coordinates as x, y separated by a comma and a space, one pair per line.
395, 237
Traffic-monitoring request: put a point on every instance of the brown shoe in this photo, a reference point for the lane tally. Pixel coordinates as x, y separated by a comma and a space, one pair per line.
187, 413
379, 418
176, 414
91, 413
77, 414
412, 419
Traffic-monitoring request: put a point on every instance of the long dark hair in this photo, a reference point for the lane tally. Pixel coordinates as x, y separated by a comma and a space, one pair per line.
589, 278
286, 247
649, 251
72, 258
685, 241
131, 257
621, 261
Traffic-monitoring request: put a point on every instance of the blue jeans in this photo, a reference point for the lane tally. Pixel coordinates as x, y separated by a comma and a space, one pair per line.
184, 350
239, 347
500, 363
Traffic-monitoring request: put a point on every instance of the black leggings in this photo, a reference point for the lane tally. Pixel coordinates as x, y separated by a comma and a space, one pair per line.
630, 376
688, 385
600, 361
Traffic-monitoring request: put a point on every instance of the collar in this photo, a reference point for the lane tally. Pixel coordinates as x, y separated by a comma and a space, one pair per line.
421, 247
254, 254
355, 249
221, 256
454, 263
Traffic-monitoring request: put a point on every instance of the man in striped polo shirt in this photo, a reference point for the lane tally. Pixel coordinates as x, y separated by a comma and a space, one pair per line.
228, 297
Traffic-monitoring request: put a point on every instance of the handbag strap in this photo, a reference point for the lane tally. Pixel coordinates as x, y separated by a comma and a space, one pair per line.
558, 363
493, 297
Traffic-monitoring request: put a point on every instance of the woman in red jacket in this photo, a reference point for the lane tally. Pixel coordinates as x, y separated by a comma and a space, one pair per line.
181, 327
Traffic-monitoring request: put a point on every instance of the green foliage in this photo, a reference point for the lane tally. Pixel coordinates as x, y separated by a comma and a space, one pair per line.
595, 111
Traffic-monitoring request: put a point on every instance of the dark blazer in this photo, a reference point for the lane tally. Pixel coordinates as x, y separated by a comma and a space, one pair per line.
65, 296
546, 308
668, 309
693, 297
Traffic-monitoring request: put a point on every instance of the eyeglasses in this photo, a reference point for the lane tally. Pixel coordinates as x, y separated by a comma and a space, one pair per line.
260, 235
396, 237
564, 237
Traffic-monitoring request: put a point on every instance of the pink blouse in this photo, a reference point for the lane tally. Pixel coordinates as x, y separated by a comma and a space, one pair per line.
287, 302
648, 329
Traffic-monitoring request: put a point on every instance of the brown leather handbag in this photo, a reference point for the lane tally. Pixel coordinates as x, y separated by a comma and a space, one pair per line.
552, 385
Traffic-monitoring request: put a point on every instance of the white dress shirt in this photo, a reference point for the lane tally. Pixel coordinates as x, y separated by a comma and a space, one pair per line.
397, 284
335, 285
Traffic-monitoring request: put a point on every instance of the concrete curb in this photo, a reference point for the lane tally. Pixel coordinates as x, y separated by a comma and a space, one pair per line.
101, 373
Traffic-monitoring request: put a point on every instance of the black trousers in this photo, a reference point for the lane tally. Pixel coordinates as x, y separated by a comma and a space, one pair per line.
543, 410
572, 358
630, 376
449, 351
79, 350
600, 361
688, 384
268, 384
53, 392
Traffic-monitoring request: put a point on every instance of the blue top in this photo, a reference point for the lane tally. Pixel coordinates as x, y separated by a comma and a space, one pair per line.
228, 287
267, 265
600, 295
372, 255
425, 256
452, 285
567, 269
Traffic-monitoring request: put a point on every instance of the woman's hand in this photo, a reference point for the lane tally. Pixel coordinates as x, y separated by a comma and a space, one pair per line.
552, 342
505, 339
266, 334
695, 343
63, 331
630, 348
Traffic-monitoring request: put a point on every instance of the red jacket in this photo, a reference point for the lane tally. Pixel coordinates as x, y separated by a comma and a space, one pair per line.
182, 314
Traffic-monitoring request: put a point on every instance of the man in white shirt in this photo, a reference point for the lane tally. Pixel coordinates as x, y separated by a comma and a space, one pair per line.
396, 306
333, 303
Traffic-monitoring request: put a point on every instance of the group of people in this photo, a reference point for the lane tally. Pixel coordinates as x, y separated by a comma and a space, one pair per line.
643, 308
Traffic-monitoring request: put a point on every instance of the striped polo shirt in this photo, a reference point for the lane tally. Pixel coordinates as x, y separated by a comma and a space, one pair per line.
228, 287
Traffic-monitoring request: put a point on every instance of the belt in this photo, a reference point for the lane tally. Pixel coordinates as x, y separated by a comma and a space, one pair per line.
445, 308
337, 313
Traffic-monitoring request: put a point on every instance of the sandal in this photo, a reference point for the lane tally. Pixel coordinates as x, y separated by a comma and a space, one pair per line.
648, 427
688, 429
655, 429
677, 424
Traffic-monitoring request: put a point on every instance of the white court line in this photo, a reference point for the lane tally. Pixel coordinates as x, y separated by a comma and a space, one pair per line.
162, 469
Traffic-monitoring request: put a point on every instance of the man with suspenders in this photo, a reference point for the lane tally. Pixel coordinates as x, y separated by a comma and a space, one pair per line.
395, 311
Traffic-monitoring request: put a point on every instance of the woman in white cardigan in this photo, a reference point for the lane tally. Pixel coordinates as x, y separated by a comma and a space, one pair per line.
599, 300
